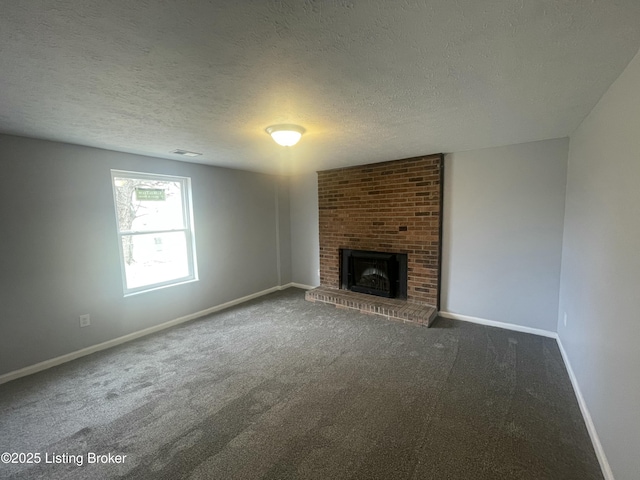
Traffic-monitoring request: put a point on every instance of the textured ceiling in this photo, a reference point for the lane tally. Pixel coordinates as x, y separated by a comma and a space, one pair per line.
370, 80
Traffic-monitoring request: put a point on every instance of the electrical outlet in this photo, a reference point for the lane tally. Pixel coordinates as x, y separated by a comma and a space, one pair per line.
85, 320
565, 319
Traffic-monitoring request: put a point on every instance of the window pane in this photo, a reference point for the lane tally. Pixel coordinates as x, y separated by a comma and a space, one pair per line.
154, 258
146, 204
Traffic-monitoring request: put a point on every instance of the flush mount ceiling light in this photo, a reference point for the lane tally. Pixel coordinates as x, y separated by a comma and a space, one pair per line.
286, 135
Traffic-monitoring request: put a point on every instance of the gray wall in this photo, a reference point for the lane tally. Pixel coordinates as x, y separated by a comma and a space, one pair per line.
305, 236
502, 233
284, 230
600, 284
59, 251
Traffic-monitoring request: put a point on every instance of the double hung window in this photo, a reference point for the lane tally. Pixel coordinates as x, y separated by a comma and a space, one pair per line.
155, 230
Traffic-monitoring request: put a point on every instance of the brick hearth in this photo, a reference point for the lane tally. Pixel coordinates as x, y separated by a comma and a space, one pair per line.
390, 308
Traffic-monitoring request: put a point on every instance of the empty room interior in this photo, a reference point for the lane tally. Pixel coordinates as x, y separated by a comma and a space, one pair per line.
304, 239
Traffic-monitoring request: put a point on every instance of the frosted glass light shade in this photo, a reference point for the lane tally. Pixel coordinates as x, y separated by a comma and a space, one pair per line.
285, 135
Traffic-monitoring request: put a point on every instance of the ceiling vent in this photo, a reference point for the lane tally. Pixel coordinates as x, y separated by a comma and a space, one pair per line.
186, 153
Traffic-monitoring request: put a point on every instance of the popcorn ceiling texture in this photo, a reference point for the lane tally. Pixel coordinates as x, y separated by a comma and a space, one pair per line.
369, 80
389, 207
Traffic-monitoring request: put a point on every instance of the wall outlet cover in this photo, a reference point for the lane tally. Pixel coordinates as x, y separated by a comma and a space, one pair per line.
85, 320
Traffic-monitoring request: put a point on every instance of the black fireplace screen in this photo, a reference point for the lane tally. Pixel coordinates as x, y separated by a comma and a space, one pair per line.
371, 274
376, 273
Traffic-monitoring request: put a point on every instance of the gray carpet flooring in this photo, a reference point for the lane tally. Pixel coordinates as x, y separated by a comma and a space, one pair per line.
280, 388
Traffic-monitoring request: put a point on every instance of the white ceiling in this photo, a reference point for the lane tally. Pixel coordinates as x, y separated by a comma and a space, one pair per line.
370, 80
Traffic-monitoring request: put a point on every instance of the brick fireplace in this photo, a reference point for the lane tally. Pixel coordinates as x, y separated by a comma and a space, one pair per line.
394, 207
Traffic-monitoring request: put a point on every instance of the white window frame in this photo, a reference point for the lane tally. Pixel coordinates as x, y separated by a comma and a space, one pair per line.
188, 229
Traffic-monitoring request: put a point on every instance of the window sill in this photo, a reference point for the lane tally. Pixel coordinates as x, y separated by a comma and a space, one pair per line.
161, 287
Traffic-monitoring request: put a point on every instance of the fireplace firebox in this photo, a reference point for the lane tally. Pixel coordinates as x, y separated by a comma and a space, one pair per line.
375, 273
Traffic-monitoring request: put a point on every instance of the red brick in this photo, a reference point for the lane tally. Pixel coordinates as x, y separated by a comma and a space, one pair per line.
364, 207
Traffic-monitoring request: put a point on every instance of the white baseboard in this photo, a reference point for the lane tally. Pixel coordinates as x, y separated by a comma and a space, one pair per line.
591, 428
494, 323
299, 285
593, 434
31, 369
